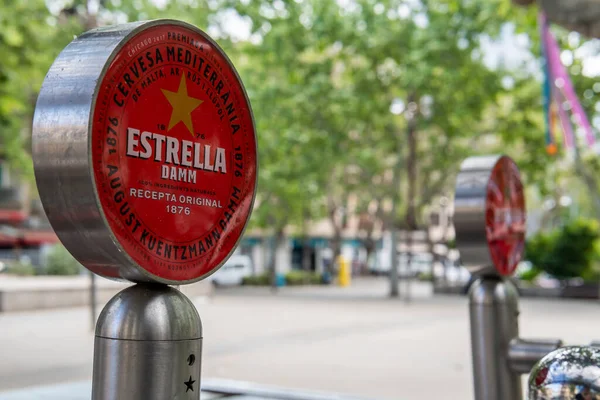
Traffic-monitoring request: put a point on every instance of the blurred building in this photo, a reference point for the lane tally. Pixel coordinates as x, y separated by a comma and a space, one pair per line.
365, 242
361, 231
25, 233
316, 245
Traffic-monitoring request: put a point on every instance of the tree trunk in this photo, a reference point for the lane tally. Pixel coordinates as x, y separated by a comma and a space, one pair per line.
434, 255
336, 241
306, 256
409, 242
394, 292
277, 240
369, 245
306, 253
17, 252
411, 170
273, 263
336, 247
443, 239
306, 250
396, 190
411, 163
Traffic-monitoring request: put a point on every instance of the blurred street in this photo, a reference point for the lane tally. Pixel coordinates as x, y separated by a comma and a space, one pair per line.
348, 340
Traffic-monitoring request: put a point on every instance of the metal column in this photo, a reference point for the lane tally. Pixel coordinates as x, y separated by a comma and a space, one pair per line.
148, 346
493, 308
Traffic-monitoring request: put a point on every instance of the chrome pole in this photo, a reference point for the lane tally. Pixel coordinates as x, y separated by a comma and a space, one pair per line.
493, 309
148, 346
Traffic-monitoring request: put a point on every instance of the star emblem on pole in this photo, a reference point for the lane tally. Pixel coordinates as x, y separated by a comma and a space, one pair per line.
189, 385
182, 104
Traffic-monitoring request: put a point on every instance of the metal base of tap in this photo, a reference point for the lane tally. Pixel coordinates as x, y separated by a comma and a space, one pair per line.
493, 308
148, 346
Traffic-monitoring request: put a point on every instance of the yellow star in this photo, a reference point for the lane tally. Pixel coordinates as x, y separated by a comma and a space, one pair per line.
183, 105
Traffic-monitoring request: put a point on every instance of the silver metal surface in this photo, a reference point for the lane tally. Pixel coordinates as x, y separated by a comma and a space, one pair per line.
569, 373
143, 370
149, 312
524, 354
61, 150
148, 346
493, 309
469, 213
490, 231
394, 292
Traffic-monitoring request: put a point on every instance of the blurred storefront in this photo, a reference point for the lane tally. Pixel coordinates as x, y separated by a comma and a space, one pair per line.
25, 233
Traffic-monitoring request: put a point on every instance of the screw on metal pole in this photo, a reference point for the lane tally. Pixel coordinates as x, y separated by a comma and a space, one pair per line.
569, 373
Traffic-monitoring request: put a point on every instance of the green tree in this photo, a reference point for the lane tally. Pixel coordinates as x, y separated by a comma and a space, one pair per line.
568, 252
30, 38
373, 90
300, 102
61, 262
566, 172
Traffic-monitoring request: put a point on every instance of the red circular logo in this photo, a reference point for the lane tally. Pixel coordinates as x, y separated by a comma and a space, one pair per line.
505, 216
174, 152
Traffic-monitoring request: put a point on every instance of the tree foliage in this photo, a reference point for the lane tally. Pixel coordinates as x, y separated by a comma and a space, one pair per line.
30, 38
328, 73
567, 252
358, 104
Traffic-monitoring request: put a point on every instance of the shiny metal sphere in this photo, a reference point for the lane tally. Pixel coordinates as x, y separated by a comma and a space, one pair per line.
569, 373
149, 312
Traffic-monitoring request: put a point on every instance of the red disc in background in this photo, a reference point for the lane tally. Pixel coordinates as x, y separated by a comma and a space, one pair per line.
174, 152
505, 216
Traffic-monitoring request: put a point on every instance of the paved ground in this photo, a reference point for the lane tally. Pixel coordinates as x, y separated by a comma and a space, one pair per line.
346, 340
13, 283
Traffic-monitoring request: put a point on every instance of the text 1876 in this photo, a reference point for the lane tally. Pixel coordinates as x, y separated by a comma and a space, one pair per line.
178, 210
